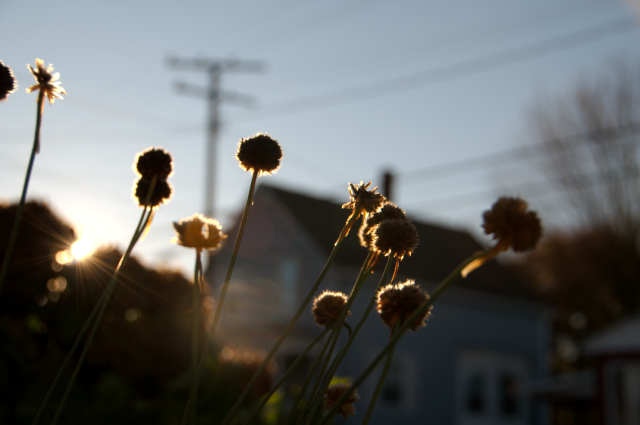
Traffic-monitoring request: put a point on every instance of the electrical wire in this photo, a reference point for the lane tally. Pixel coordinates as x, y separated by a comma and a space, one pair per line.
446, 73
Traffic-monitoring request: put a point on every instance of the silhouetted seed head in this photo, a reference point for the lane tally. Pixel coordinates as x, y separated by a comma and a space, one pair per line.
199, 232
333, 394
399, 236
327, 307
512, 225
398, 302
161, 192
365, 234
47, 82
154, 162
369, 200
388, 211
7, 81
259, 152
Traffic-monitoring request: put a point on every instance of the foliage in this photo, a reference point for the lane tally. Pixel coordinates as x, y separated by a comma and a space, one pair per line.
137, 368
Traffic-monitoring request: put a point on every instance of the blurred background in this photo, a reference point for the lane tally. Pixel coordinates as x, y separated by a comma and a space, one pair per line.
437, 93
458, 101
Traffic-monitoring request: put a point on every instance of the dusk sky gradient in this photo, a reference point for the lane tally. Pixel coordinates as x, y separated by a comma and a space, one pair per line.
350, 89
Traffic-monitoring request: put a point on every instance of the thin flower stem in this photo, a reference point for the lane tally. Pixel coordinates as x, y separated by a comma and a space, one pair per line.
289, 327
315, 393
145, 218
343, 352
381, 379
266, 398
405, 326
323, 380
364, 317
307, 381
194, 336
16, 225
67, 360
234, 255
223, 293
320, 395
76, 343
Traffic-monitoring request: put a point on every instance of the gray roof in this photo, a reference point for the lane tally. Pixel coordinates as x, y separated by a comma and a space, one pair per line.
439, 251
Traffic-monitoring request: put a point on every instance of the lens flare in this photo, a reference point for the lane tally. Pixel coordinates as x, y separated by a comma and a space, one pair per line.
82, 247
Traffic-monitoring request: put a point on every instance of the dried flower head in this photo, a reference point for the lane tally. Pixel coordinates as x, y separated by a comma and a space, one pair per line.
161, 192
389, 211
198, 232
259, 153
398, 302
327, 307
362, 201
154, 162
369, 200
7, 81
399, 236
333, 394
47, 82
512, 225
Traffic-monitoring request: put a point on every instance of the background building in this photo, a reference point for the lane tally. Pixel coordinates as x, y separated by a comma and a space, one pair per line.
487, 338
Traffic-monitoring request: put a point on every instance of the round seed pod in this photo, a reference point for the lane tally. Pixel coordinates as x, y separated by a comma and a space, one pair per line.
259, 153
154, 162
512, 225
327, 307
398, 302
7, 81
399, 236
161, 192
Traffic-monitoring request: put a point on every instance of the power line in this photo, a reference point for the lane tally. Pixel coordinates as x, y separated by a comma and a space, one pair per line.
447, 73
589, 180
417, 45
520, 153
214, 97
125, 114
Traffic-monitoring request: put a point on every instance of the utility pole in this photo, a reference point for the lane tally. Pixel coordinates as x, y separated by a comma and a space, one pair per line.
214, 96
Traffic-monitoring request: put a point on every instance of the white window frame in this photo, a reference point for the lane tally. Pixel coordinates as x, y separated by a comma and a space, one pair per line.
491, 365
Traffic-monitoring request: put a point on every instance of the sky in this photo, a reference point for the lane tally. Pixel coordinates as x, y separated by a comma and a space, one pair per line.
436, 92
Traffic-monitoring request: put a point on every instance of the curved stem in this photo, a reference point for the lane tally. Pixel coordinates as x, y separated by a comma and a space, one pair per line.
289, 371
16, 225
315, 393
405, 326
343, 352
67, 360
76, 343
223, 293
289, 327
383, 377
194, 336
145, 218
307, 381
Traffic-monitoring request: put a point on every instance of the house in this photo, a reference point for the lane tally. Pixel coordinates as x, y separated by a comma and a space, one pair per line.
616, 351
488, 336
606, 392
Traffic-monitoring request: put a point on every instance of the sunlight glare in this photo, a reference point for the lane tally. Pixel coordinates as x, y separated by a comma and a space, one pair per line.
64, 257
82, 247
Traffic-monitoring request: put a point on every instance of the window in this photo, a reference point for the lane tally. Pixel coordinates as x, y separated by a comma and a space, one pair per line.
488, 388
476, 393
622, 391
399, 389
289, 273
391, 393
